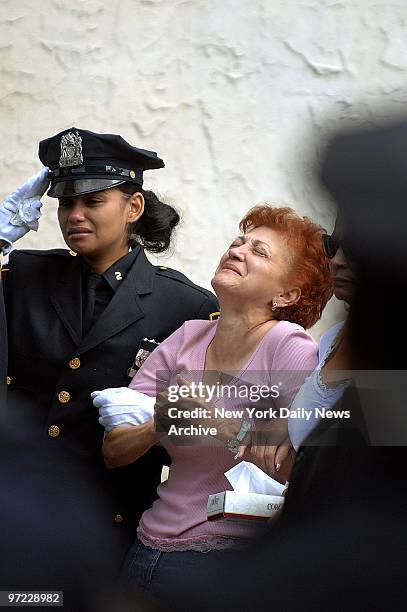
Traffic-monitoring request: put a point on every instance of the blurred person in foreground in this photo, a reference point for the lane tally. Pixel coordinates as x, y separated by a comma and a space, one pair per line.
342, 538
272, 282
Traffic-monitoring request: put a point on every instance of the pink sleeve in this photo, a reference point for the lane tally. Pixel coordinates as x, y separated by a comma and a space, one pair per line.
295, 357
155, 373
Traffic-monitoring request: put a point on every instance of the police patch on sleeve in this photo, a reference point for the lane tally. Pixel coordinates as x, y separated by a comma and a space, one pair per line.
145, 349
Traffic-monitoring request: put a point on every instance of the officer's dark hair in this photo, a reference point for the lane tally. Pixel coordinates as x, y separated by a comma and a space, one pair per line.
154, 228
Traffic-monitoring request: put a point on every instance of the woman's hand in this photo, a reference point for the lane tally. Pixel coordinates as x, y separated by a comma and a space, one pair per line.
187, 403
175, 405
271, 449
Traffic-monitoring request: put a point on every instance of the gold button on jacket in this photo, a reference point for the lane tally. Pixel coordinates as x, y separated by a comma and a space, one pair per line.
118, 518
64, 397
75, 363
53, 431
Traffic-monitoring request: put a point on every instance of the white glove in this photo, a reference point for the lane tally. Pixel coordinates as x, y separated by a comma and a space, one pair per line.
122, 406
20, 211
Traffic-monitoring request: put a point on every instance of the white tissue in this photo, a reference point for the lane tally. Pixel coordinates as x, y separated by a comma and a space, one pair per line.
245, 477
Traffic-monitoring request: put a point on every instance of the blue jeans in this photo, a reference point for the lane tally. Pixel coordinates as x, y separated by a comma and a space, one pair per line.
163, 575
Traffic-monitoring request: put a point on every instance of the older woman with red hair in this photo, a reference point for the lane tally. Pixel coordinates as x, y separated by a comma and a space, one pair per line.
272, 282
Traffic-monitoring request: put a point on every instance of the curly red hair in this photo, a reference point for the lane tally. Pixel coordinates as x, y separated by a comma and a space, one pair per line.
310, 270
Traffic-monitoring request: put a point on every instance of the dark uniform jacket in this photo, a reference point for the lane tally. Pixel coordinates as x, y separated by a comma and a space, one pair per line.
51, 435
3, 351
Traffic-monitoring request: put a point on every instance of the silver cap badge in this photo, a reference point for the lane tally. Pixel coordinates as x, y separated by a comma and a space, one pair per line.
71, 150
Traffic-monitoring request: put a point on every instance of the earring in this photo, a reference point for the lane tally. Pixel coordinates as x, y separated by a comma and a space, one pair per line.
274, 307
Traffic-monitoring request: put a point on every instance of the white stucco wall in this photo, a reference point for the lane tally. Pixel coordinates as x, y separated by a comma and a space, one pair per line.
233, 94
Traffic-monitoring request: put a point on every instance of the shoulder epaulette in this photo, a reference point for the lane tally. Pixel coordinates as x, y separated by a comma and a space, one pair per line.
181, 278
45, 253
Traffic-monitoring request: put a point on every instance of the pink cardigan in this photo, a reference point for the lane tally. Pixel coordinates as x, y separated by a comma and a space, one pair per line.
177, 519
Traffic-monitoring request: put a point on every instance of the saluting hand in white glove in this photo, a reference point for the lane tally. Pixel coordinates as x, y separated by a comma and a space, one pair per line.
20, 211
122, 406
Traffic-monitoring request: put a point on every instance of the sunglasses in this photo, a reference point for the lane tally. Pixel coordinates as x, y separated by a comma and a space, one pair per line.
330, 245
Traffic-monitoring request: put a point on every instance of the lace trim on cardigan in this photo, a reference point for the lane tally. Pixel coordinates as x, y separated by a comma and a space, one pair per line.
317, 373
204, 543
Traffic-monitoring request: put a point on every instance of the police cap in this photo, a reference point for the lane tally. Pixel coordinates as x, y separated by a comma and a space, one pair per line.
81, 162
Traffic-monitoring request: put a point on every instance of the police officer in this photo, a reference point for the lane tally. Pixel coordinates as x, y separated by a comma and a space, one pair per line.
74, 319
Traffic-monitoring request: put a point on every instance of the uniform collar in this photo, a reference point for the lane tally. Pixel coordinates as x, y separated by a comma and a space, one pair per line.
142, 273
125, 301
117, 271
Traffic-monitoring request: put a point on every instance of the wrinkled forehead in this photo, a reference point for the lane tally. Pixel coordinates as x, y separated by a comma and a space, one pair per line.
266, 234
277, 242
